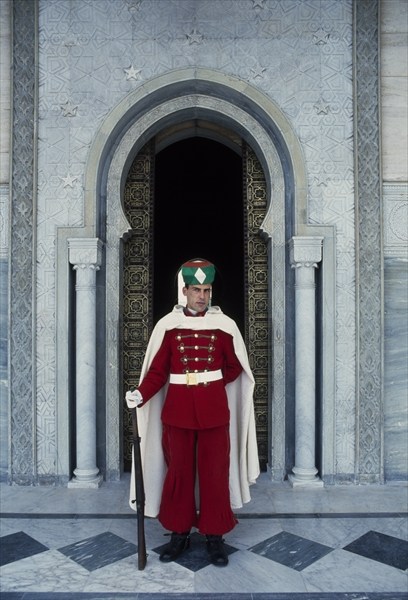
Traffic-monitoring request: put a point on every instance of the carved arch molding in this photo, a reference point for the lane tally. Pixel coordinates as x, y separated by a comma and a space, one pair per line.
138, 276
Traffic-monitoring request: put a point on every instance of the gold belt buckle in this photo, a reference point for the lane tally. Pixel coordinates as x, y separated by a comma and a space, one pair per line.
191, 378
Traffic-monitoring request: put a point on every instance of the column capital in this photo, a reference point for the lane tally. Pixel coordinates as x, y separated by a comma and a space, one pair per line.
85, 252
305, 251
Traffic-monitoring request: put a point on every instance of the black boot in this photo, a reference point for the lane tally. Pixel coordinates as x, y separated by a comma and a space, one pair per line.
178, 543
217, 551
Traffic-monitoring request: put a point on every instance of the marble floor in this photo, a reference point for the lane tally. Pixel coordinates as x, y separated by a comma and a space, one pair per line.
338, 543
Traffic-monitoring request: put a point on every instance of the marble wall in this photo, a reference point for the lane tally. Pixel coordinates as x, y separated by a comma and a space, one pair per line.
395, 379
5, 11
92, 54
395, 220
5, 104
394, 90
3, 369
394, 125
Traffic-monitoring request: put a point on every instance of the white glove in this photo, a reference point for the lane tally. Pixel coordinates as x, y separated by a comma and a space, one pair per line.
133, 399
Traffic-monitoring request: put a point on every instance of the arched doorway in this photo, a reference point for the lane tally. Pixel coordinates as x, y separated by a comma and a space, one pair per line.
167, 102
196, 197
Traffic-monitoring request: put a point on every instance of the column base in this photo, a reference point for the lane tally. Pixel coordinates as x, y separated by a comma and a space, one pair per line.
91, 485
302, 477
300, 482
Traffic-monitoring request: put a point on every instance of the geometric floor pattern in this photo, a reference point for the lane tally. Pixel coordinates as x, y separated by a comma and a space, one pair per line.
284, 548
295, 553
292, 546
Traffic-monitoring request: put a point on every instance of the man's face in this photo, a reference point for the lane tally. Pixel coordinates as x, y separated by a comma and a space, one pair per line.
198, 296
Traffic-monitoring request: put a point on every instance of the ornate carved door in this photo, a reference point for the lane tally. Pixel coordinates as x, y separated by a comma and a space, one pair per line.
256, 292
137, 276
138, 282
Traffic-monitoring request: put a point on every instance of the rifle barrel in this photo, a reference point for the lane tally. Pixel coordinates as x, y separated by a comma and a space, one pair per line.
140, 494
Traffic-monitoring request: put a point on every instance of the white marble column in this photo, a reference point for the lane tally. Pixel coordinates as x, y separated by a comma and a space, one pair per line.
85, 254
305, 254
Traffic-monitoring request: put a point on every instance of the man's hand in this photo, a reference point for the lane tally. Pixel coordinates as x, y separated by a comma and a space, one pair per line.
133, 398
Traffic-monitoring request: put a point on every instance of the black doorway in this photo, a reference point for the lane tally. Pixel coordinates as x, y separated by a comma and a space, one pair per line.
198, 212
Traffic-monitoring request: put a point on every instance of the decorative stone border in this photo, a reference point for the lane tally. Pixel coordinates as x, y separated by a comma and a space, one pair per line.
369, 284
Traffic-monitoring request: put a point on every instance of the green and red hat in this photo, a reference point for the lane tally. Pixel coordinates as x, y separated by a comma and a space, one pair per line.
197, 271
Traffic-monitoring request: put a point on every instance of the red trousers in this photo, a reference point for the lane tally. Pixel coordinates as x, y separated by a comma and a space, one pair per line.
204, 452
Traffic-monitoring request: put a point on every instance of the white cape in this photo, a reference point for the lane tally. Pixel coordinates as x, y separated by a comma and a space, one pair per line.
244, 463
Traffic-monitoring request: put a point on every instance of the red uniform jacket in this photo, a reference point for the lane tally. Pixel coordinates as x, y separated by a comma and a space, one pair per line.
199, 406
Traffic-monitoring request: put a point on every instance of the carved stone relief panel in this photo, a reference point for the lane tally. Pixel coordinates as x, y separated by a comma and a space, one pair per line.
22, 458
369, 247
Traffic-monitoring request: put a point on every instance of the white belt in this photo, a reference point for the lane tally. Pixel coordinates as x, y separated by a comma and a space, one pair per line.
195, 378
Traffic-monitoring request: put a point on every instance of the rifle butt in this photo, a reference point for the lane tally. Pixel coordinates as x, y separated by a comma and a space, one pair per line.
141, 543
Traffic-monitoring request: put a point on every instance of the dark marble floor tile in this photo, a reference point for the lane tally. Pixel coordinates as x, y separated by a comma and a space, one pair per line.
382, 548
196, 556
17, 546
291, 550
99, 550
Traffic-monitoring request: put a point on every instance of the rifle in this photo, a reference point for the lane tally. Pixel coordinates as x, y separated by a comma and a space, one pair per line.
140, 493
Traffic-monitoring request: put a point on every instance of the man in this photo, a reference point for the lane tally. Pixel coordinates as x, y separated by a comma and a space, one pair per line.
196, 393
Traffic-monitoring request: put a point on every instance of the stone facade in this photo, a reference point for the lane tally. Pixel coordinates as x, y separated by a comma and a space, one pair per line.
313, 70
